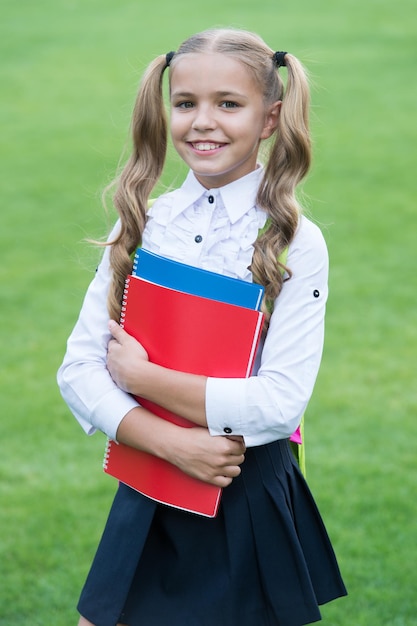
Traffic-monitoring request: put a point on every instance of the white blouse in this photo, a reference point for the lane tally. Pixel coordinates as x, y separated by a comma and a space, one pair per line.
214, 229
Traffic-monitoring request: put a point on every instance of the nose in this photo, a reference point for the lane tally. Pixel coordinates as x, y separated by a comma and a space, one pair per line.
204, 119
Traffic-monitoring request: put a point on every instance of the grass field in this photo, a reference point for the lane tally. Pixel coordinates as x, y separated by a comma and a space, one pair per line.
69, 71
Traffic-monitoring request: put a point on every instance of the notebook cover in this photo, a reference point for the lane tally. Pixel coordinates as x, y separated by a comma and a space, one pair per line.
192, 334
195, 280
190, 279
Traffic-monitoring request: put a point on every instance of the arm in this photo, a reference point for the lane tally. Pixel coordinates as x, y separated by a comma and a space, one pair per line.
269, 405
183, 394
83, 379
212, 459
99, 404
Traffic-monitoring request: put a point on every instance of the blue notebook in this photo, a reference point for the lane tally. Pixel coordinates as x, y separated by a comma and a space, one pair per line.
196, 281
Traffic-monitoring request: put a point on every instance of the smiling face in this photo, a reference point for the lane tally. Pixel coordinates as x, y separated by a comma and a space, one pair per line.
218, 117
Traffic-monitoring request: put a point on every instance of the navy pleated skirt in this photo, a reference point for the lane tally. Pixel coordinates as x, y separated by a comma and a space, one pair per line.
265, 560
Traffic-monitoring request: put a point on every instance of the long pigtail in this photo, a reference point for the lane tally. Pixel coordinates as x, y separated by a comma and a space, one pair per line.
288, 163
138, 177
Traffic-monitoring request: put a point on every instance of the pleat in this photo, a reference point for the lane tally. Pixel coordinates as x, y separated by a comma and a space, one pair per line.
247, 596
180, 579
119, 551
316, 547
266, 559
277, 557
296, 559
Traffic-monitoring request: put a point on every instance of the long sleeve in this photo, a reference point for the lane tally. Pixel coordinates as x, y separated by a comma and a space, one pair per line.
269, 405
215, 229
83, 378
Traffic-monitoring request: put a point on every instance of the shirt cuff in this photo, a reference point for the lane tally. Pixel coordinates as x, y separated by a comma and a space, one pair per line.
109, 412
224, 401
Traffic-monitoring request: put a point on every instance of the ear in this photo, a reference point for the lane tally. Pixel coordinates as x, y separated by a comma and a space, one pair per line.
271, 119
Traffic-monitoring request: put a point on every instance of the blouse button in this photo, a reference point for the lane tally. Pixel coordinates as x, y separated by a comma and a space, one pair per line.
211, 199
227, 430
198, 239
316, 293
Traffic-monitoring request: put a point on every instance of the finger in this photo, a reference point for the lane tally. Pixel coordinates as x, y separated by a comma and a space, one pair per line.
234, 471
231, 471
233, 459
239, 459
237, 444
237, 438
112, 347
222, 481
232, 463
117, 331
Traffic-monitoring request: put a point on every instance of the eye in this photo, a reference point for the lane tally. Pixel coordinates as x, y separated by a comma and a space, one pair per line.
229, 104
186, 104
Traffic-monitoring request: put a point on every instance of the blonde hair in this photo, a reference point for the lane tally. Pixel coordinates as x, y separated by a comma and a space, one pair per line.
287, 163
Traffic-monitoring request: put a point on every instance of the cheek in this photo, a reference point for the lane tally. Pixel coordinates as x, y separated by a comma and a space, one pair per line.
177, 123
176, 140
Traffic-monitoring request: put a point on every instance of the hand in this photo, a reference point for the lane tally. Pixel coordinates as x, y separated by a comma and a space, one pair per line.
126, 358
214, 460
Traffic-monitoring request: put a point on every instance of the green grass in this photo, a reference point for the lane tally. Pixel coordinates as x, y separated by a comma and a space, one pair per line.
69, 72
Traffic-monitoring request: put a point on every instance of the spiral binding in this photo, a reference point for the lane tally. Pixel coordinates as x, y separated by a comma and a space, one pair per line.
135, 263
107, 454
124, 302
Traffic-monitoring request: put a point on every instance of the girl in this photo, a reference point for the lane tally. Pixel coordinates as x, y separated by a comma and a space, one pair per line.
266, 558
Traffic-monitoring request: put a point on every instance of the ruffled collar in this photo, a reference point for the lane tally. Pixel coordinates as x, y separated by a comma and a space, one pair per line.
238, 197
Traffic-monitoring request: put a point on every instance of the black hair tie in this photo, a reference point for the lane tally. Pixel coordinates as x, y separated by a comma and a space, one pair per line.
279, 59
168, 58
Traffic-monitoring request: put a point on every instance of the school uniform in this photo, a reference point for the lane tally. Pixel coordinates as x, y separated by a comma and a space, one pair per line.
266, 558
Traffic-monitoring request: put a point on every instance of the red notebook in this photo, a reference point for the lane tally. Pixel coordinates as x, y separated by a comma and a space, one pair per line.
192, 334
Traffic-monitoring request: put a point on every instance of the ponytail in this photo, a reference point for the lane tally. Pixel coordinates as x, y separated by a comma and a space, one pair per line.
138, 177
288, 163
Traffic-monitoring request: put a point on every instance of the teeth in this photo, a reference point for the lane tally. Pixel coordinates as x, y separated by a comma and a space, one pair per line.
206, 146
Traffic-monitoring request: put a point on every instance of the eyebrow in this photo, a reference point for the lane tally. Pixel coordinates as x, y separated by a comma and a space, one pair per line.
219, 94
